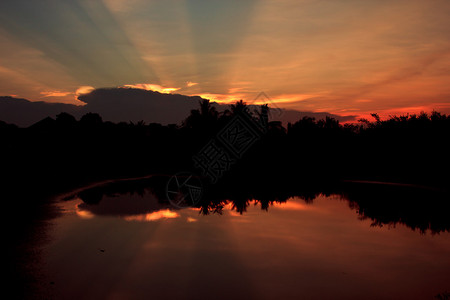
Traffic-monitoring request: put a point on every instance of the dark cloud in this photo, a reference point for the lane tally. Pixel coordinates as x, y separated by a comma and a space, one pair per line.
119, 205
24, 113
127, 104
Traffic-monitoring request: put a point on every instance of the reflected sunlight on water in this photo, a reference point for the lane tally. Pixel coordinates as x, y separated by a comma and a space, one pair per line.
319, 250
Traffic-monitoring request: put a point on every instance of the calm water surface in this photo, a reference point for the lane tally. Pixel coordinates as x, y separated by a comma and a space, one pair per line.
133, 247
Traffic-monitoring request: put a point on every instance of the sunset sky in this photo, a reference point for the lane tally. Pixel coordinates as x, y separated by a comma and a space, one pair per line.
339, 56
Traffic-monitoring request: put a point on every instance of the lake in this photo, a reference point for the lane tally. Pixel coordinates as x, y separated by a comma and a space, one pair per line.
132, 245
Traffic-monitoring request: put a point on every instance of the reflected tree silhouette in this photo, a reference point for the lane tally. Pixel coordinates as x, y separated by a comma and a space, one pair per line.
56, 155
419, 208
304, 159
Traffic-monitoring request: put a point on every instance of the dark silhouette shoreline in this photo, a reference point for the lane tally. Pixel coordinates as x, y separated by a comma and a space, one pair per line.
54, 155
307, 158
419, 208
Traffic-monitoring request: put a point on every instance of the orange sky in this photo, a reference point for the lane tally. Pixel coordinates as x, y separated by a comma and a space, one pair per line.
344, 57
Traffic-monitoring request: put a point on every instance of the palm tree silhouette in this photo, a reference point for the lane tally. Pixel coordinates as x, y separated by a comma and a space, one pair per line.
239, 107
203, 117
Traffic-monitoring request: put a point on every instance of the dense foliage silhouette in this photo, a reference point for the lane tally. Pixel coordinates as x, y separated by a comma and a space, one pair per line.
55, 154
419, 208
306, 158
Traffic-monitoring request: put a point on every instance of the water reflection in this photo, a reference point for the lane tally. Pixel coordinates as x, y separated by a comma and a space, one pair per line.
418, 208
130, 244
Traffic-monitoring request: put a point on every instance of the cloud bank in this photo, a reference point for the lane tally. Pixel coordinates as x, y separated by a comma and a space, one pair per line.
127, 104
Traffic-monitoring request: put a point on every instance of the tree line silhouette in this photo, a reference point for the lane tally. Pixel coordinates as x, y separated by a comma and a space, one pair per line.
54, 155
306, 159
418, 208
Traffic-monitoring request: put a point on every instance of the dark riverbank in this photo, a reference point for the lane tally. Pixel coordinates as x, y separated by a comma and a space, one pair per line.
386, 204
54, 154
307, 158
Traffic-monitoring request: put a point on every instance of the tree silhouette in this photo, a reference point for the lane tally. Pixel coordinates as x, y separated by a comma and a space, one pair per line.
66, 152
239, 107
203, 117
91, 120
65, 120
